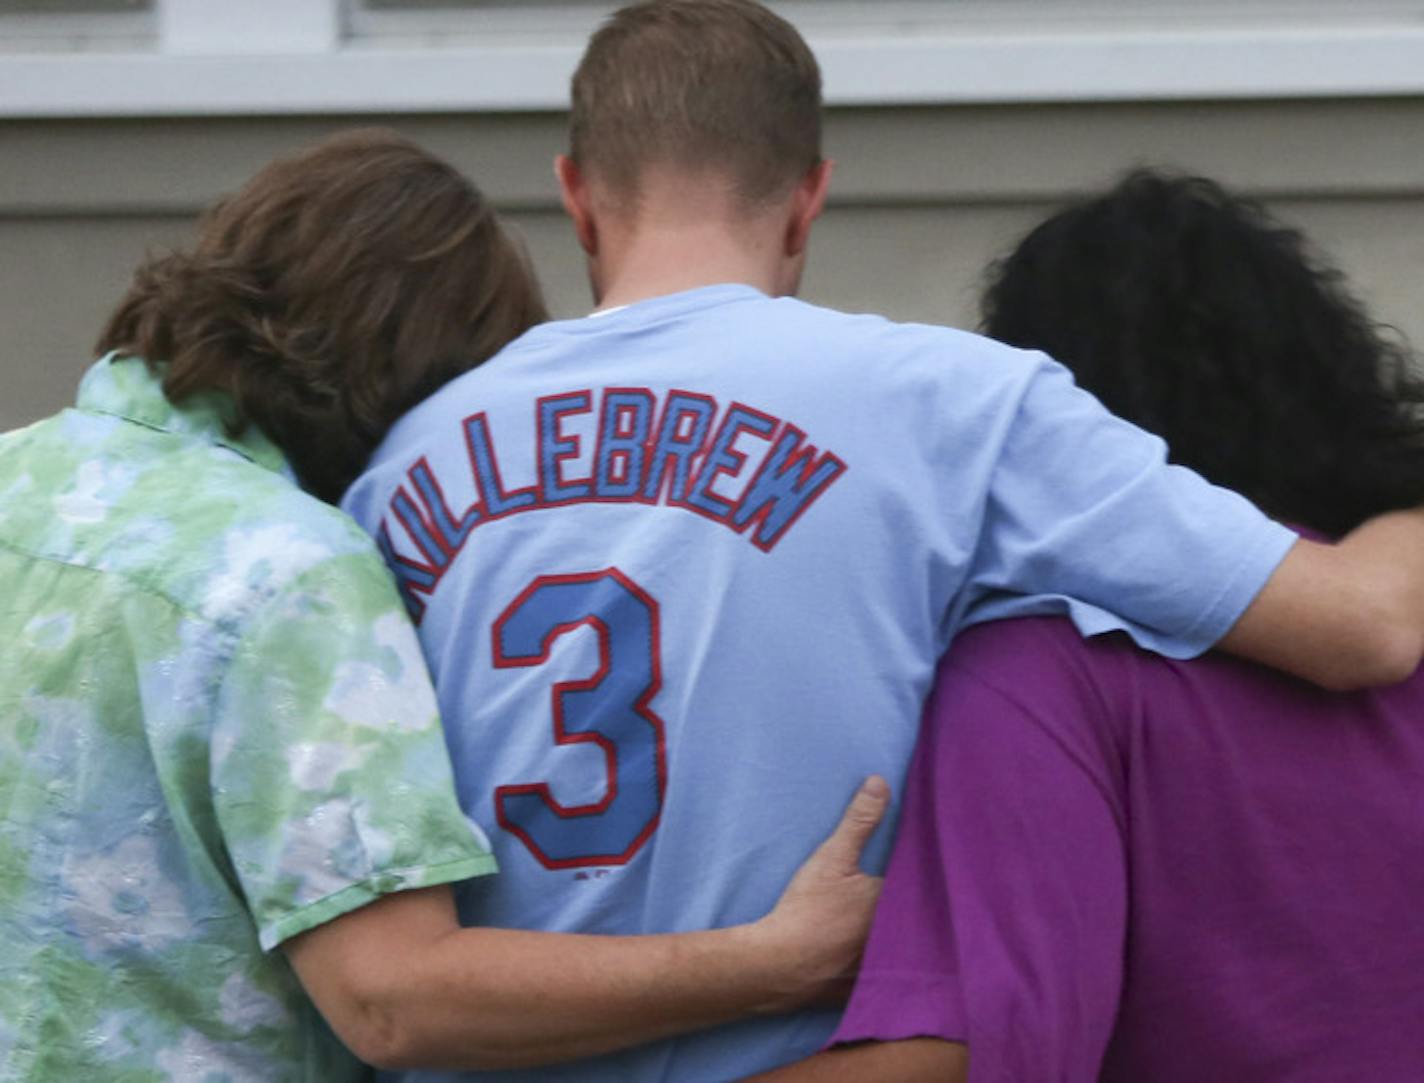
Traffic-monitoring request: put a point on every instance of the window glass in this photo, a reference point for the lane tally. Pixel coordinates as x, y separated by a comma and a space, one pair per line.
73, 7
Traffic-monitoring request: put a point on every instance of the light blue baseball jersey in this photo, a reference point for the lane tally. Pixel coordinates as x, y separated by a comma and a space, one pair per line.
682, 573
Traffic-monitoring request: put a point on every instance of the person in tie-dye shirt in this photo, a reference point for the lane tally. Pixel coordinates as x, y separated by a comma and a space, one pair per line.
217, 734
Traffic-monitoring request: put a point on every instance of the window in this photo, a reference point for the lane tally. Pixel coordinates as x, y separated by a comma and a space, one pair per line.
412, 17
76, 25
72, 7
201, 57
397, 23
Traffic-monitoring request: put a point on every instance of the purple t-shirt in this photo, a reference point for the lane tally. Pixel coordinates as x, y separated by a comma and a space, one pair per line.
1111, 862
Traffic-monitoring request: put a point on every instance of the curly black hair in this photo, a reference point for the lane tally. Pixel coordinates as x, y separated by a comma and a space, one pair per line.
1195, 314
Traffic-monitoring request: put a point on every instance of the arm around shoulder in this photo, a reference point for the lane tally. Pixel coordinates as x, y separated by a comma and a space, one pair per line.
1344, 616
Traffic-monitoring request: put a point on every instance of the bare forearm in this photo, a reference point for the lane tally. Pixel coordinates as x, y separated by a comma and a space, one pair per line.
499, 998
1344, 616
1389, 550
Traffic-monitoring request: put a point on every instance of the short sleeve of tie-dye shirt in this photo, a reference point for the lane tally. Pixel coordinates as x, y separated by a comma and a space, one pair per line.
325, 718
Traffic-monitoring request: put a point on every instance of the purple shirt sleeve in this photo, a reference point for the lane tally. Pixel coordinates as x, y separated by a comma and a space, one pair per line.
1004, 912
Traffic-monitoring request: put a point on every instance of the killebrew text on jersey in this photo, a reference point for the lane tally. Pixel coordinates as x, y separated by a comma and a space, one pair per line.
736, 465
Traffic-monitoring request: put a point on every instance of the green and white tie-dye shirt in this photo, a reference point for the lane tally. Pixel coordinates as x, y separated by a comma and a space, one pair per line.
216, 732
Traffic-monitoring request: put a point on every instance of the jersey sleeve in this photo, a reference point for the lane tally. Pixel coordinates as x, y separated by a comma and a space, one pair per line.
330, 777
1085, 518
1004, 910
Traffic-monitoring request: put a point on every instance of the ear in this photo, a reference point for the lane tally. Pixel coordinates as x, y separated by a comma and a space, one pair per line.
573, 190
807, 202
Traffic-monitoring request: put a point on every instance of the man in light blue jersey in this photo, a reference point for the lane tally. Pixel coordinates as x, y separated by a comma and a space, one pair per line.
683, 570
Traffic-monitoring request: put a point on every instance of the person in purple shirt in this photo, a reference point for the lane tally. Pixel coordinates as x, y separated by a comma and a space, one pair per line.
1116, 866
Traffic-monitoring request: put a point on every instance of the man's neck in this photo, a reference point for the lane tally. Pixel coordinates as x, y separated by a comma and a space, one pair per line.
664, 258
686, 230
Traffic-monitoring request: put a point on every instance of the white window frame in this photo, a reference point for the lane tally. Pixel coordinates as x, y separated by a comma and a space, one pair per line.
265, 57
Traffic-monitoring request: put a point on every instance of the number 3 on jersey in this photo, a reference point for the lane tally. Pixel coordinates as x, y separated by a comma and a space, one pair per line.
609, 709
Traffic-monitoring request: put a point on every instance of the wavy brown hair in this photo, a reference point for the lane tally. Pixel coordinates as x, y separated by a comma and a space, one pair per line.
340, 286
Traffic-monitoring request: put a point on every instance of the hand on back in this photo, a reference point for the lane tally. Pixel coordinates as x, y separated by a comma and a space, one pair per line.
820, 923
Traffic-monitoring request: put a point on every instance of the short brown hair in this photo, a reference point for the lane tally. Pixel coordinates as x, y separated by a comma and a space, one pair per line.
725, 85
334, 291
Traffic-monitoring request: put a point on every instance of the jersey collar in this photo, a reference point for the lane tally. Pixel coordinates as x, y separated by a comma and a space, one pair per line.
655, 309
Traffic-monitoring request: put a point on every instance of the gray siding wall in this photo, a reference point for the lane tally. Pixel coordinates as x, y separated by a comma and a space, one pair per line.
923, 199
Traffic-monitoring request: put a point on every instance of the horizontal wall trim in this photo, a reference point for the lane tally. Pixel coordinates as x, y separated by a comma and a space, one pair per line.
185, 213
884, 70
1340, 149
